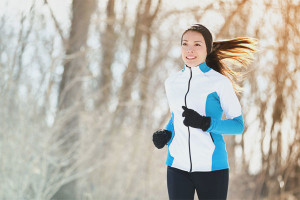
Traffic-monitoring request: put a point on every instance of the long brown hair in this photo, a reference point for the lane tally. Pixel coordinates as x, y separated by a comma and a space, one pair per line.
238, 52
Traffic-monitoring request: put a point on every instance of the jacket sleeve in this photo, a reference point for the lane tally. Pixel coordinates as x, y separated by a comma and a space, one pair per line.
234, 123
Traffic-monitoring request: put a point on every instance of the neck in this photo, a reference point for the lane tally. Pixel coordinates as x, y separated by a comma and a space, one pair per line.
195, 65
202, 67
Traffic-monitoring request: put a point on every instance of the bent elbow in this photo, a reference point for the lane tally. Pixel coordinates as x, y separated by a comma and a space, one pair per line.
241, 128
240, 125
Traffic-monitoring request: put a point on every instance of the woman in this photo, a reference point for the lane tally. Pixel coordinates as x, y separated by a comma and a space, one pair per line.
197, 96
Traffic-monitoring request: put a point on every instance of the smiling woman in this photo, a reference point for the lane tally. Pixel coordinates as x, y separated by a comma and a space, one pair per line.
198, 95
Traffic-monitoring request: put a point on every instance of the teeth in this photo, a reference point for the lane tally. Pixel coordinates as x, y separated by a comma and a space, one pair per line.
190, 57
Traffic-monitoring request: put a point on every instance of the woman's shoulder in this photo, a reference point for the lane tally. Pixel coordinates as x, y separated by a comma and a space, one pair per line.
173, 75
217, 76
220, 81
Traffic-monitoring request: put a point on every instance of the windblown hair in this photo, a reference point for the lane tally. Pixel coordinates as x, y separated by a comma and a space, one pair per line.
238, 52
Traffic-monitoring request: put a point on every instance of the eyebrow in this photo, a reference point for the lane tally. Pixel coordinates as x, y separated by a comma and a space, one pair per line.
194, 41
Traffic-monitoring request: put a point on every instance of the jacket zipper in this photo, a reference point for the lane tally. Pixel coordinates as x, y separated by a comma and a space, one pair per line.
191, 165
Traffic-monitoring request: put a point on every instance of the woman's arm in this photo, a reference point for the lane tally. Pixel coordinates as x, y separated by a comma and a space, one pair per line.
228, 126
234, 124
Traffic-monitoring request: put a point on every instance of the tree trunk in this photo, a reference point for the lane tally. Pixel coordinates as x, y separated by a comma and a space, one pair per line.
130, 73
108, 43
70, 91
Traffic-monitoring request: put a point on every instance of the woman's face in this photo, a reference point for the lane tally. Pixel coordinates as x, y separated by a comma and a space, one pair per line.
193, 48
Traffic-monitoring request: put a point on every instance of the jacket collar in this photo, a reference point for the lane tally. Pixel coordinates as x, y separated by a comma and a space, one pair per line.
201, 68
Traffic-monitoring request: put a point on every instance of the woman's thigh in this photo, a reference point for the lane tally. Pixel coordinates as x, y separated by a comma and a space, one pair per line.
180, 185
211, 185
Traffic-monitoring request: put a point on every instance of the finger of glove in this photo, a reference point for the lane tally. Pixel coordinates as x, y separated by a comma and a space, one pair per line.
183, 114
190, 112
168, 136
159, 142
195, 115
157, 137
159, 132
162, 142
161, 135
158, 145
185, 122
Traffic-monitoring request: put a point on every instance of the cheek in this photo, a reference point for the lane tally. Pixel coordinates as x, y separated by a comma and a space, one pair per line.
182, 51
201, 52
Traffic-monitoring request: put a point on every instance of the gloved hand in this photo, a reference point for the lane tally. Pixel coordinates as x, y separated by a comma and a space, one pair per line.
195, 120
161, 138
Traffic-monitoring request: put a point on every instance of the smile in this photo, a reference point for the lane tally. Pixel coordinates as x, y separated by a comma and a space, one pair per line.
190, 58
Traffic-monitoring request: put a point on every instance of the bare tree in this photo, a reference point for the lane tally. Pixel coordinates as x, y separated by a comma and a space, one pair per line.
70, 91
66, 129
108, 39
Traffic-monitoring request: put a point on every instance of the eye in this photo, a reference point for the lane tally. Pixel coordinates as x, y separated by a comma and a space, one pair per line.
184, 44
197, 45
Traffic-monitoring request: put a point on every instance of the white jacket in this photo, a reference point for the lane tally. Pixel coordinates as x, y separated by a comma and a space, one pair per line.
209, 93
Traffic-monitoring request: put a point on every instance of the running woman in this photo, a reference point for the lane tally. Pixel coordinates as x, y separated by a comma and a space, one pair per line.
197, 96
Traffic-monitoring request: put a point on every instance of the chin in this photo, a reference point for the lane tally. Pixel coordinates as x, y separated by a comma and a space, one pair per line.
191, 64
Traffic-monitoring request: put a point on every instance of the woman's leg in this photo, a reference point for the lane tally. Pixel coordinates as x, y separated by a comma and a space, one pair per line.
211, 185
180, 185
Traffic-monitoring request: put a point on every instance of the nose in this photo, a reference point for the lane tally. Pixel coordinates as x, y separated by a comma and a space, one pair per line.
189, 49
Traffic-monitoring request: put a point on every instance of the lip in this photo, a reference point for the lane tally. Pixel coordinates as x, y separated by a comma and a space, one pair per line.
194, 57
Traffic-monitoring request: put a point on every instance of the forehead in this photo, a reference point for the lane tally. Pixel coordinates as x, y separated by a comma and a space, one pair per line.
193, 35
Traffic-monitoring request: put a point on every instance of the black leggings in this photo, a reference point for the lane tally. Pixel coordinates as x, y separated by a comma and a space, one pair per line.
209, 185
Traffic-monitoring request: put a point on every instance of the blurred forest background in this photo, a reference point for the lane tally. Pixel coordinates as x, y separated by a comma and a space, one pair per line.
82, 91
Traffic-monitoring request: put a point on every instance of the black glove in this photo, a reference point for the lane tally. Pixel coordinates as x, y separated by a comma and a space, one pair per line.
161, 138
194, 119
